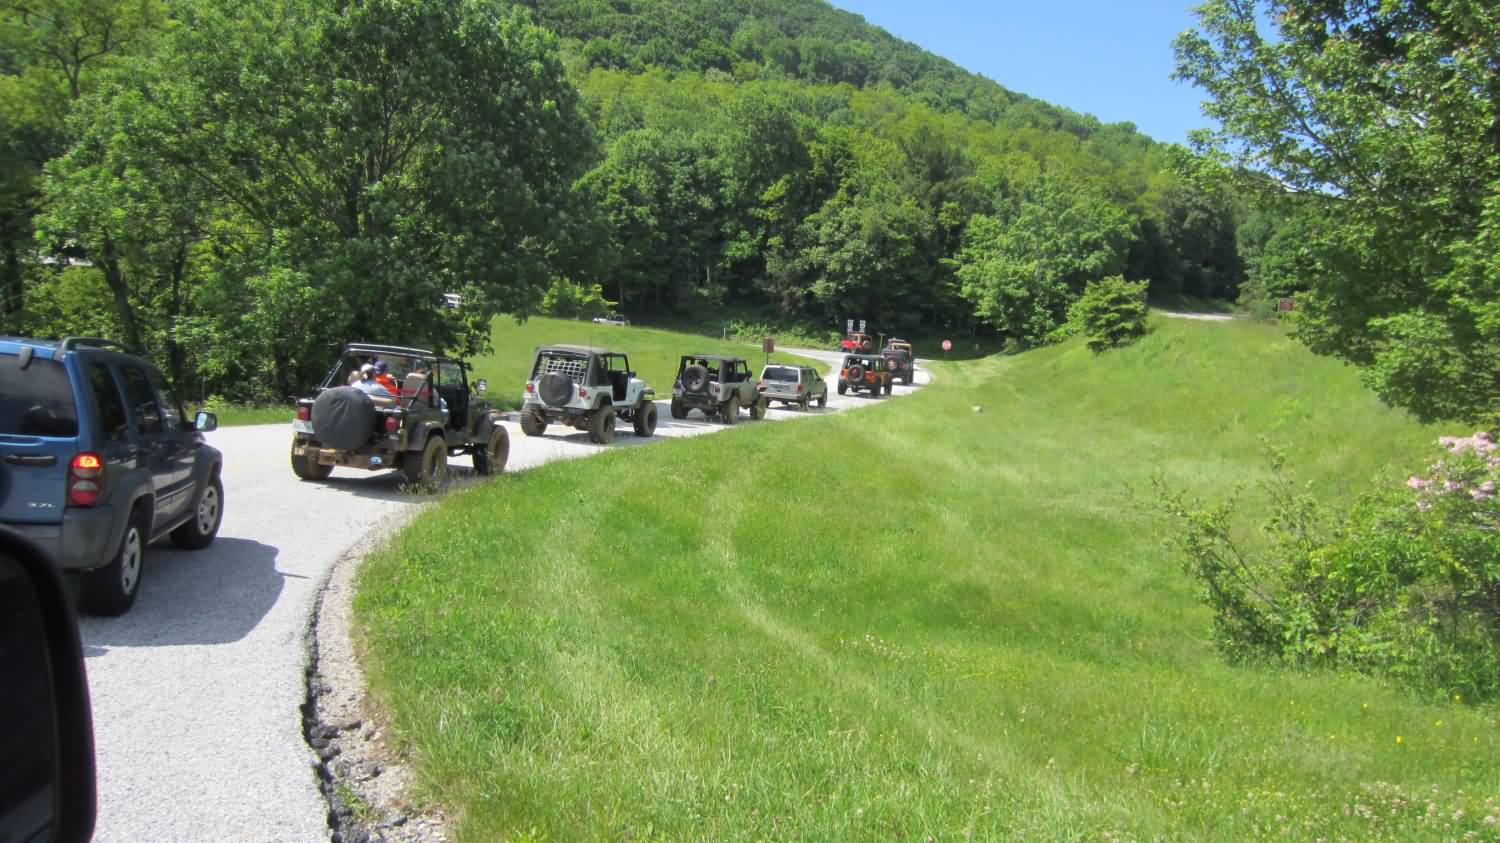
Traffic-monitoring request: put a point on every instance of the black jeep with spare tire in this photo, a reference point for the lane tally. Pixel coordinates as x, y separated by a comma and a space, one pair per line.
386, 406
585, 388
716, 385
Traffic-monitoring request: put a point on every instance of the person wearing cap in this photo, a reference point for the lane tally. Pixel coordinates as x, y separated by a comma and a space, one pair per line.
368, 385
383, 377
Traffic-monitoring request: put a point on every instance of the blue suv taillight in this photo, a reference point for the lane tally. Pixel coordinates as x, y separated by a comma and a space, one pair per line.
85, 474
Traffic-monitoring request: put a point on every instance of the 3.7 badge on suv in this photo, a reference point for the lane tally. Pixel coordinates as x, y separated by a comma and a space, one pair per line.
97, 461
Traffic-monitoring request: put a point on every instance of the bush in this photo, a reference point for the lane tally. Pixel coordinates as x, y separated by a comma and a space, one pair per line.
567, 299
1405, 585
1110, 313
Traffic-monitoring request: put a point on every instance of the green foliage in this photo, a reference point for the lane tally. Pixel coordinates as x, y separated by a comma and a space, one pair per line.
374, 157
1110, 313
1404, 585
568, 299
1022, 269
1384, 114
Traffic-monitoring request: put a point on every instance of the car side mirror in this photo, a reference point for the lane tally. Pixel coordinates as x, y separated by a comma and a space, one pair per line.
481, 385
205, 421
46, 726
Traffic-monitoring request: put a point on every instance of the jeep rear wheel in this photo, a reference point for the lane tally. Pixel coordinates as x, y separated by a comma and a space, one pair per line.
678, 411
843, 387
429, 468
533, 424
731, 411
490, 458
645, 419
111, 590
602, 426
758, 409
307, 467
888, 387
823, 399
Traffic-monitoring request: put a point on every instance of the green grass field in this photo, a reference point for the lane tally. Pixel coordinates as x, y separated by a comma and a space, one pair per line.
911, 622
233, 415
653, 353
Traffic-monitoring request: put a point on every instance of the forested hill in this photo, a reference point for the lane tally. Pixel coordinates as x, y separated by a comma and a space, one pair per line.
791, 39
215, 171
786, 155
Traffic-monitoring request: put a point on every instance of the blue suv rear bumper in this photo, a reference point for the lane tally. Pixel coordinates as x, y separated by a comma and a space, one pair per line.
84, 539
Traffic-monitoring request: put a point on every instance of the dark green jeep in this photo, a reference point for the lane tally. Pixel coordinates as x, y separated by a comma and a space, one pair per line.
385, 406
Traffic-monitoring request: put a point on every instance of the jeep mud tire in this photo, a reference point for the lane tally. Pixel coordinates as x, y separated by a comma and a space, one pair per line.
645, 419
533, 424
555, 388
490, 456
602, 426
695, 378
678, 411
731, 411
307, 467
758, 409
856, 373
430, 467
823, 399
843, 387
344, 418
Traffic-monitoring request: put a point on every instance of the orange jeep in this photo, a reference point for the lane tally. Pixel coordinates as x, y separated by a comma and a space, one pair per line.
864, 371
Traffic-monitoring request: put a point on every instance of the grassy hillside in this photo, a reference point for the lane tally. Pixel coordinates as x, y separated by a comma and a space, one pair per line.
912, 622
653, 352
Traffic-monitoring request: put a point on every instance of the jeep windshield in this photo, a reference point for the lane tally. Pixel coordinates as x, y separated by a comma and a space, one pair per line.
36, 400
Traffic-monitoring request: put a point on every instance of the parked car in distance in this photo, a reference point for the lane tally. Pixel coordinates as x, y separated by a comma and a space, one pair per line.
864, 371
715, 385
98, 460
432, 415
585, 388
453, 301
792, 385
612, 319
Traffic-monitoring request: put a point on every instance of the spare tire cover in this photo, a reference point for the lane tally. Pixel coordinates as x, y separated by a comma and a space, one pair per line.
343, 418
856, 373
555, 388
695, 378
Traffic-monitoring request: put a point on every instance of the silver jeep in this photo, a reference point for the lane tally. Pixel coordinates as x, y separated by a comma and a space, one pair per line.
587, 389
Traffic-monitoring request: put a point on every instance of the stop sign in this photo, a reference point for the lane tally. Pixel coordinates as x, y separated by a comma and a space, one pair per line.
947, 345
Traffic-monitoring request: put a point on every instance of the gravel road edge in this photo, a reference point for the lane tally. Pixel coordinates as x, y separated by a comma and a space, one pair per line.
363, 779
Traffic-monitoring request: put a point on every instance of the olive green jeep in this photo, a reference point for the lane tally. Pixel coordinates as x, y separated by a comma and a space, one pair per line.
716, 385
413, 413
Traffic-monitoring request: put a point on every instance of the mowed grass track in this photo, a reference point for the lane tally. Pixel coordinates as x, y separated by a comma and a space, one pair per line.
653, 353
909, 622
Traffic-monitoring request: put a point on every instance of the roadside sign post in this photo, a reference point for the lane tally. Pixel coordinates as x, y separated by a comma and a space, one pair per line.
861, 326
848, 326
768, 345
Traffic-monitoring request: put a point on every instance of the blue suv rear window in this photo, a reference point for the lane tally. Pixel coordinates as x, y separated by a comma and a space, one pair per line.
37, 400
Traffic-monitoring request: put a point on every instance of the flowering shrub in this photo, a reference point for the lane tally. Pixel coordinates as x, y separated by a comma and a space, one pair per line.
1406, 584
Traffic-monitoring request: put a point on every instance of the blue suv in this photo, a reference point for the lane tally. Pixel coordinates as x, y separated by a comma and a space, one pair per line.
97, 461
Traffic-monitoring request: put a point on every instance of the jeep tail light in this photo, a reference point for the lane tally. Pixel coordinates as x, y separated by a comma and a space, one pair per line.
530, 387
392, 424
799, 387
583, 393
84, 476
304, 412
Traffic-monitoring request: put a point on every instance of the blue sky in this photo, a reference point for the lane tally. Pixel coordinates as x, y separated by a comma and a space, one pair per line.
1108, 58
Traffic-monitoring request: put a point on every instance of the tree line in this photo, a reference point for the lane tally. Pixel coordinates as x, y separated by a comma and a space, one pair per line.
237, 188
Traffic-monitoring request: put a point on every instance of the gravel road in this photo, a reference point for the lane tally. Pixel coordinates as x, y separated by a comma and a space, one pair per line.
197, 691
